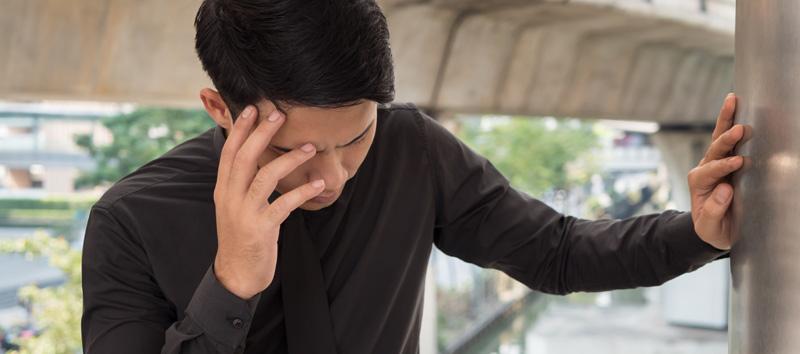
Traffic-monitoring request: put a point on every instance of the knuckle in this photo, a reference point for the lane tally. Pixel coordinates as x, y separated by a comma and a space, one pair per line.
692, 176
719, 144
242, 158
225, 152
225, 157
266, 181
727, 140
275, 212
258, 189
260, 179
254, 192
267, 174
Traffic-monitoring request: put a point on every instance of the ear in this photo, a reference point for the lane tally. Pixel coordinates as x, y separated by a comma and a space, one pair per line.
216, 108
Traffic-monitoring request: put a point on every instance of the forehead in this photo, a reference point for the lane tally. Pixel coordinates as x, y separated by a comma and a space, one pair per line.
324, 126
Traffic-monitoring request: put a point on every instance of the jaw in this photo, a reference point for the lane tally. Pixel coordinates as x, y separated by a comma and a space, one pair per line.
313, 206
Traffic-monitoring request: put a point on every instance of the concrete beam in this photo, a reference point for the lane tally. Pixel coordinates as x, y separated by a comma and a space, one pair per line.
621, 59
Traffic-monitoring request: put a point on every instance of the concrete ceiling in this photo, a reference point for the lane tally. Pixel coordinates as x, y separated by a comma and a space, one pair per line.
668, 61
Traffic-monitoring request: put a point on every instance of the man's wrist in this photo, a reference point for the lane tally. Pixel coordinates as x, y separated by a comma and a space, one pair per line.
688, 241
231, 284
223, 315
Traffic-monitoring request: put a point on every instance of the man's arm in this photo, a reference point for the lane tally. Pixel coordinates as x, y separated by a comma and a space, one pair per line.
482, 220
126, 312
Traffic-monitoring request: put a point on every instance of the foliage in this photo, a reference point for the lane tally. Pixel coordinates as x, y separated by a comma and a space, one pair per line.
138, 137
533, 153
57, 309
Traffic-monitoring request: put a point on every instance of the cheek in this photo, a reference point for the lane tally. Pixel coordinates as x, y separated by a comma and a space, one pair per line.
353, 160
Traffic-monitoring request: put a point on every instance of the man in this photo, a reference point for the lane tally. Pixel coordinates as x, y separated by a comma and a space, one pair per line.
304, 221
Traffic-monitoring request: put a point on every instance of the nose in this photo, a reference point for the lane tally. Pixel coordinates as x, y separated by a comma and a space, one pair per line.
328, 167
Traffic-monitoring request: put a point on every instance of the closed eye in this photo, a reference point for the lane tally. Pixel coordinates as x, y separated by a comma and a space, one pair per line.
360, 138
359, 141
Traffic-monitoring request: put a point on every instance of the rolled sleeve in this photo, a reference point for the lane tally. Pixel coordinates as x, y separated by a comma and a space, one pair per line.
221, 314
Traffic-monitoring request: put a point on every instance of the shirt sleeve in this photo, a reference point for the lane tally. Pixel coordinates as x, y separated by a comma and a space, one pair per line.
481, 219
126, 312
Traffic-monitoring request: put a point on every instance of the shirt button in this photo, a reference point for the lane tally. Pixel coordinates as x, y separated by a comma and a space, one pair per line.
237, 323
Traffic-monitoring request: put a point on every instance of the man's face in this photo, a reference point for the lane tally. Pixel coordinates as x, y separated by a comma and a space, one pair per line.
342, 137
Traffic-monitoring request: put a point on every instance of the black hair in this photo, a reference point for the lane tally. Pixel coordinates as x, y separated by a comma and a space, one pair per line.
320, 53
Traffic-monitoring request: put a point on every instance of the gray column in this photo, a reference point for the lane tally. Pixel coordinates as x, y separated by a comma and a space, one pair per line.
765, 259
427, 337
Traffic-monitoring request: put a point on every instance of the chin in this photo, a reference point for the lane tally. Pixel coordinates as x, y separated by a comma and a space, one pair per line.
313, 206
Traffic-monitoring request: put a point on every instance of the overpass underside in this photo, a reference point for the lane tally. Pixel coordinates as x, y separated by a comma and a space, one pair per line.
592, 58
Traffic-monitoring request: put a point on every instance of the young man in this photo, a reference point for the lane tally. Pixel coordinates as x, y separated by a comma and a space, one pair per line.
303, 222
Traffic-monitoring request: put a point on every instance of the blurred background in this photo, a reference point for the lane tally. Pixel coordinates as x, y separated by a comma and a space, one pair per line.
597, 107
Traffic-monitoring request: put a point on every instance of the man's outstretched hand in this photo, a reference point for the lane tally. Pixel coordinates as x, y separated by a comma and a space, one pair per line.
711, 193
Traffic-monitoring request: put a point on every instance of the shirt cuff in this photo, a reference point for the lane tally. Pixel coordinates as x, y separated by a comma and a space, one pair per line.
687, 242
222, 315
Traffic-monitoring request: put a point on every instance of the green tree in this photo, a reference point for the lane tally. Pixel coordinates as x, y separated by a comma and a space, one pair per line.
535, 154
138, 137
56, 309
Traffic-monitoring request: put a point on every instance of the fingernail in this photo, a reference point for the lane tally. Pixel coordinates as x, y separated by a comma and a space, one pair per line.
733, 160
722, 194
248, 112
274, 116
307, 147
318, 183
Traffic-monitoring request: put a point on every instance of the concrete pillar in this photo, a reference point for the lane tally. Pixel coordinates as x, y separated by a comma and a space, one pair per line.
699, 298
428, 337
681, 150
765, 302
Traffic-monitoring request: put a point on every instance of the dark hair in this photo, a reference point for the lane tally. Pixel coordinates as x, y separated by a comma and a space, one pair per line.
321, 53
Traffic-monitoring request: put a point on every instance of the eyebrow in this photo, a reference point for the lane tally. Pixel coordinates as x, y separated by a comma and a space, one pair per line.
283, 149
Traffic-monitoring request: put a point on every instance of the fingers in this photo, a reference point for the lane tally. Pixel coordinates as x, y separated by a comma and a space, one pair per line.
705, 177
245, 162
725, 117
268, 175
721, 147
234, 141
278, 211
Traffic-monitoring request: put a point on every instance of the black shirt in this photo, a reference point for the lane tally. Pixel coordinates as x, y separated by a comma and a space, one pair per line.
349, 277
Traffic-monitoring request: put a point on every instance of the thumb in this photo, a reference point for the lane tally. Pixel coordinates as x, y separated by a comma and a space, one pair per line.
715, 207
